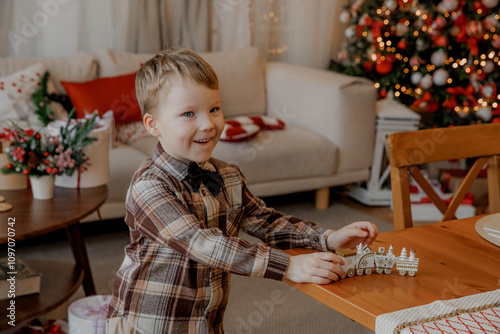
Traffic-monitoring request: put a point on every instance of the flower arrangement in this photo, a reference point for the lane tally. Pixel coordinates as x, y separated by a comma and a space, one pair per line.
36, 154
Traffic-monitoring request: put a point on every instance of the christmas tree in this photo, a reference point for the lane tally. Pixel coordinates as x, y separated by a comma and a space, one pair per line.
440, 57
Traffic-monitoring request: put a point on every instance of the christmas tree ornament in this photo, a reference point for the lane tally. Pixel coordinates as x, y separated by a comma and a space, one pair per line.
490, 22
489, 3
390, 4
420, 44
342, 56
426, 81
356, 6
440, 77
488, 90
474, 29
345, 17
368, 66
350, 32
439, 57
416, 61
454, 31
383, 67
448, 5
484, 113
416, 77
401, 28
402, 44
495, 42
488, 66
438, 23
365, 20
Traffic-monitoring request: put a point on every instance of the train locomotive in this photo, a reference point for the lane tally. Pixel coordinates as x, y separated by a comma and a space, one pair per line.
364, 261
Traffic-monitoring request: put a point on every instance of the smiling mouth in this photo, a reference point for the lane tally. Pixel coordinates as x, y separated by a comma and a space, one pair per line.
203, 141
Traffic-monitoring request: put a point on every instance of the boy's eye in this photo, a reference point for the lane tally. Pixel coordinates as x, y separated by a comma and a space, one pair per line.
188, 114
214, 109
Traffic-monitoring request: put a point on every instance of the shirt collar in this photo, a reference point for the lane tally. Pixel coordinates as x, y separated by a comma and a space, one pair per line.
175, 167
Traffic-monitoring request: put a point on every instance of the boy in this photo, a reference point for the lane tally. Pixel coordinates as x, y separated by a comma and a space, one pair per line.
184, 211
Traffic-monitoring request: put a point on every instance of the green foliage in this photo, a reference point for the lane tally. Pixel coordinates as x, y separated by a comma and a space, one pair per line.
389, 41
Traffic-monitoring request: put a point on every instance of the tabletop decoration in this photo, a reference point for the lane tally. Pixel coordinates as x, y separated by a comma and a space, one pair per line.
42, 156
479, 313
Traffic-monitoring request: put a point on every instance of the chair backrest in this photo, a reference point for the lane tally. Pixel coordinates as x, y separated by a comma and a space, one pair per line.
407, 150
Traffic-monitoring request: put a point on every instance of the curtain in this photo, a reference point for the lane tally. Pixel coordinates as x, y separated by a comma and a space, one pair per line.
60, 27
305, 32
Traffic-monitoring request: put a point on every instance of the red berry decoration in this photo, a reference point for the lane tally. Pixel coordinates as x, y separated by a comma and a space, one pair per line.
26, 171
9, 166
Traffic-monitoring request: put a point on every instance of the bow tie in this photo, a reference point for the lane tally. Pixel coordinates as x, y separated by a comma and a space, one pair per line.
212, 180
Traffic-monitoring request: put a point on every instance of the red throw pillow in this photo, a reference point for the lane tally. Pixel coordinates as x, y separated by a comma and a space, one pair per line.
103, 94
237, 133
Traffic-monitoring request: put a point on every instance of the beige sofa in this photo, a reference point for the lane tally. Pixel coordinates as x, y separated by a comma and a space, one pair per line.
328, 140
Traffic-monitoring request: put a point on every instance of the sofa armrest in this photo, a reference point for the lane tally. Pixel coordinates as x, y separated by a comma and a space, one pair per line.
335, 106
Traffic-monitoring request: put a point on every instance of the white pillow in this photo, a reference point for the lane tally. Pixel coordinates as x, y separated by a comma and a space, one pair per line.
16, 103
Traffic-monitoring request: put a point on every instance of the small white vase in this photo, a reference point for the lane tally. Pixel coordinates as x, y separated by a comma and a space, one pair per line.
42, 187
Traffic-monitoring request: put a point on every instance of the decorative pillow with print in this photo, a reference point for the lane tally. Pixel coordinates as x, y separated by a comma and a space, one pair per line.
16, 104
244, 128
130, 132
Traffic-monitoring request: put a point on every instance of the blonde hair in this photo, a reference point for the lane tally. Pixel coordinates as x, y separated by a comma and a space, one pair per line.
166, 68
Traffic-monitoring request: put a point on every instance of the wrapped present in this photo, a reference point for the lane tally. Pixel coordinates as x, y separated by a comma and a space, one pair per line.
452, 179
96, 171
88, 315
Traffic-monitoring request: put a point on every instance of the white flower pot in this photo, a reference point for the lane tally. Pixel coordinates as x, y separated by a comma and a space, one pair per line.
42, 187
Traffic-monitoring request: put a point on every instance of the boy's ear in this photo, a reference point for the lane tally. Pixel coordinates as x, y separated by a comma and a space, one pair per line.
151, 125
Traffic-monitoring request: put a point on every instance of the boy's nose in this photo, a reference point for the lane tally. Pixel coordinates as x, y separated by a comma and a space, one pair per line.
207, 123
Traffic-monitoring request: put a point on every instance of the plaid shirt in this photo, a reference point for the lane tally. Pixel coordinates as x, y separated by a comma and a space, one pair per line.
184, 246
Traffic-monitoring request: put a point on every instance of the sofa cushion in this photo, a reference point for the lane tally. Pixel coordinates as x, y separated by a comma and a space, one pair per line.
103, 94
280, 155
240, 73
78, 67
16, 104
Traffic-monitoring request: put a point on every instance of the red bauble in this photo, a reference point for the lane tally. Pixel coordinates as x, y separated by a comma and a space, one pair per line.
368, 65
383, 67
441, 41
474, 29
383, 93
402, 44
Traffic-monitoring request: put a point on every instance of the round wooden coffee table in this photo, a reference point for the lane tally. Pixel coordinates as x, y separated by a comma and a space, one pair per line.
37, 217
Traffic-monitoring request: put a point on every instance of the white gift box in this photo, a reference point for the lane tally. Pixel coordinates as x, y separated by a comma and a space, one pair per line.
97, 174
88, 315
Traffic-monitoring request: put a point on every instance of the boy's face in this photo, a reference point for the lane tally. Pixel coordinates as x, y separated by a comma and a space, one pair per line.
188, 121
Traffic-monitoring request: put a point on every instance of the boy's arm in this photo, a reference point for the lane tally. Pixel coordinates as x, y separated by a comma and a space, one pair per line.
277, 229
157, 213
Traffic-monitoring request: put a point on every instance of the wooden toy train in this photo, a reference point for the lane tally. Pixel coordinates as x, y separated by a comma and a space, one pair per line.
364, 261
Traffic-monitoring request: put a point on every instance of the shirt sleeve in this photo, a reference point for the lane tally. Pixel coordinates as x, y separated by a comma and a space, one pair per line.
160, 216
277, 229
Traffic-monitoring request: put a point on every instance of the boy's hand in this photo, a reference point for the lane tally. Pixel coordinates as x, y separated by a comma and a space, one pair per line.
319, 268
351, 235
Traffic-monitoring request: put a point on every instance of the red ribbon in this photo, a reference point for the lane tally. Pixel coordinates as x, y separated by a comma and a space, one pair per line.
454, 91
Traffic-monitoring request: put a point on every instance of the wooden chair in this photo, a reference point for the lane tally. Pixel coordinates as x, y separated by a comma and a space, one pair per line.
407, 150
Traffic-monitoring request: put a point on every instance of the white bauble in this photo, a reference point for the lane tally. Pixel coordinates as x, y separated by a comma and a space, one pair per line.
490, 21
440, 77
448, 5
426, 81
416, 77
401, 29
345, 17
438, 58
489, 3
390, 4
489, 66
420, 44
484, 113
364, 19
350, 32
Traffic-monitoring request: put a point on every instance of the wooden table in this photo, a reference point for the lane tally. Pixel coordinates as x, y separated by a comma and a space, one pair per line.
37, 217
454, 262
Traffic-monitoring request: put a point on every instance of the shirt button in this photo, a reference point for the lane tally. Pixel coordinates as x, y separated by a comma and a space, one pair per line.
315, 239
203, 192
